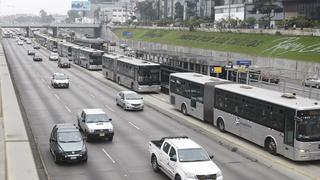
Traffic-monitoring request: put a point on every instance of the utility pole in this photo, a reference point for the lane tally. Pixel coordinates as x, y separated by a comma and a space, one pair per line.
229, 17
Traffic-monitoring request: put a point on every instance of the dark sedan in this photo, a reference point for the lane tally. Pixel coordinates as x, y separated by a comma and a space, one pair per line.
66, 144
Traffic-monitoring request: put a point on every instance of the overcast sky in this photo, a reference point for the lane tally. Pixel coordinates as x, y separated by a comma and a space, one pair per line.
9, 7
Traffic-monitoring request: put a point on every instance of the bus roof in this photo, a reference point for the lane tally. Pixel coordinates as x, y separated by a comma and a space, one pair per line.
137, 62
113, 55
197, 78
276, 97
90, 50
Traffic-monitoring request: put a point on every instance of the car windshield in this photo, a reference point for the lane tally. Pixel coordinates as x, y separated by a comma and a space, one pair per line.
308, 125
60, 77
93, 118
132, 96
71, 136
54, 54
192, 155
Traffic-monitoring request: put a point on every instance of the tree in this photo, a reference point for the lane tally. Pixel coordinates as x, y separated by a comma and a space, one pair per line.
72, 15
191, 10
251, 21
44, 17
178, 10
96, 14
267, 8
146, 10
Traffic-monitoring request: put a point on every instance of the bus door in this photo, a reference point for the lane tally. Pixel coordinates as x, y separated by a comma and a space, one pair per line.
196, 100
243, 127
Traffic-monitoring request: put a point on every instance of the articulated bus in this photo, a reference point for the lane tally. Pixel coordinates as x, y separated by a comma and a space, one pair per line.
41, 39
88, 58
136, 74
282, 123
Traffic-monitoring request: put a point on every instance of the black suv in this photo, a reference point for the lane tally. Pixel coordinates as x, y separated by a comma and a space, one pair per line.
66, 144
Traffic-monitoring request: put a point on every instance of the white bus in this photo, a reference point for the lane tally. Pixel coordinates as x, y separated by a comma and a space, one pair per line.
65, 49
136, 74
88, 58
282, 123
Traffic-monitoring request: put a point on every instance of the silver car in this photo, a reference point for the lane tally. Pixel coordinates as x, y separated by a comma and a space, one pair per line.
130, 100
313, 82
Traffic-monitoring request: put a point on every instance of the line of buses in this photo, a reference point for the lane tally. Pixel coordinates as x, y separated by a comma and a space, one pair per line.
282, 123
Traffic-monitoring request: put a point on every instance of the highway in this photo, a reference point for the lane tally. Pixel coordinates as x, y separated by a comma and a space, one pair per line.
127, 157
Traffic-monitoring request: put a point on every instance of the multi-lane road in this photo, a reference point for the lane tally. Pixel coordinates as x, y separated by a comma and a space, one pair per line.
127, 157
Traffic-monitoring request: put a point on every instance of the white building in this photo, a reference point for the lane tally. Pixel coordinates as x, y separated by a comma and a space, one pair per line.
233, 11
121, 15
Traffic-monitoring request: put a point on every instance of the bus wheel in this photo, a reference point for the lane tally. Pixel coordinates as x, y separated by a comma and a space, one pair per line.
184, 109
131, 87
220, 125
119, 82
270, 146
87, 67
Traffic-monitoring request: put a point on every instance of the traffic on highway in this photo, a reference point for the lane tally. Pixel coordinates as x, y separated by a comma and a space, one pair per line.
86, 127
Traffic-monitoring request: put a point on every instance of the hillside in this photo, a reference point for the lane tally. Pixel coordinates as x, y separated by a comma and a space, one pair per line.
305, 48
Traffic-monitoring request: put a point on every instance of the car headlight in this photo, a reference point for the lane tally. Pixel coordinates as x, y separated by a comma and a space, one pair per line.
110, 130
91, 130
60, 150
190, 175
84, 149
219, 174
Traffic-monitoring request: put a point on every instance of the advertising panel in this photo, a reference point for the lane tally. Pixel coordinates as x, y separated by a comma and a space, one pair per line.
80, 5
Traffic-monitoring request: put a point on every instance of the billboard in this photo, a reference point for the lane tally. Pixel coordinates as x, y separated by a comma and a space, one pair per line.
80, 5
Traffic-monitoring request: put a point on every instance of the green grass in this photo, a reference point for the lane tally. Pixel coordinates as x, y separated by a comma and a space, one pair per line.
304, 48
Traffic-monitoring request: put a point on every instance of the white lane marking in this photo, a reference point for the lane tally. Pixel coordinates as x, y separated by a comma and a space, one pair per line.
92, 95
109, 108
57, 96
108, 155
49, 86
134, 125
67, 108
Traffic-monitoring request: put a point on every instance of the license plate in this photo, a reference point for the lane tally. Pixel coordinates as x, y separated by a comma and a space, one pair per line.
101, 134
73, 157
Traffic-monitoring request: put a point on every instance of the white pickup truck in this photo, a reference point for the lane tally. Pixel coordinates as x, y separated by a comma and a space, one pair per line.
181, 158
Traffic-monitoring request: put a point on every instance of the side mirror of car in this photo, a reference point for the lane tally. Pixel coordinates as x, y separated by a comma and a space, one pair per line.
211, 156
110, 119
84, 138
173, 159
142, 98
52, 139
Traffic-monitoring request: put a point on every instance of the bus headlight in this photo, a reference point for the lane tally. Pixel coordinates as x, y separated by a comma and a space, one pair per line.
304, 150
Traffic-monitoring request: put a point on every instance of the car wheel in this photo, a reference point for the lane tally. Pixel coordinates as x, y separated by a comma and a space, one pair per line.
55, 159
85, 160
154, 163
271, 146
184, 109
177, 177
220, 125
110, 139
124, 106
80, 129
86, 135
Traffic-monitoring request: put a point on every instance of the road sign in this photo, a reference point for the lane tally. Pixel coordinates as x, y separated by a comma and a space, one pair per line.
80, 5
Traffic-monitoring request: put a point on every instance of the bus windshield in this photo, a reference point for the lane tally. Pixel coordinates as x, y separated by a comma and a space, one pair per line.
149, 75
95, 59
308, 125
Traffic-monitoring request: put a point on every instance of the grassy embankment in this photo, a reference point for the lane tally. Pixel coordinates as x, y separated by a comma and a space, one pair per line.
303, 48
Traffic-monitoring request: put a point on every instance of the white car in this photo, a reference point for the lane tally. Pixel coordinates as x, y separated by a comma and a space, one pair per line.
54, 56
180, 158
20, 42
60, 80
129, 100
95, 124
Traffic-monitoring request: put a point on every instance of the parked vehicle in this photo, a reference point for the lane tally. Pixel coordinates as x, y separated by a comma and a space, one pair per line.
53, 56
64, 62
66, 144
95, 124
129, 100
180, 158
31, 52
37, 57
28, 41
60, 80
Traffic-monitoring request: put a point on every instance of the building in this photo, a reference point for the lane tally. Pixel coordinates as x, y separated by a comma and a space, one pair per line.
307, 8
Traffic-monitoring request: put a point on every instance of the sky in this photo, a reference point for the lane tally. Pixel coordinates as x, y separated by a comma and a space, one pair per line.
10, 7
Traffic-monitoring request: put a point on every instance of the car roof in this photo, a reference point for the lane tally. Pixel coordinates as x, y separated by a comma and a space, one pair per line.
66, 127
128, 92
94, 111
57, 73
183, 143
